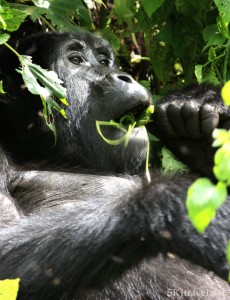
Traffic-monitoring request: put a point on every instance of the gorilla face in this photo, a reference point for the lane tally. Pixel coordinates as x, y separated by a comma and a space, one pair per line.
97, 90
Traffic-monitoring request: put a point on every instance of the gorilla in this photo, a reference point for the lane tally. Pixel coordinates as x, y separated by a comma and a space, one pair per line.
79, 220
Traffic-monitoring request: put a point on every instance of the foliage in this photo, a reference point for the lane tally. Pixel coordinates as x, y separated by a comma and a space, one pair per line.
153, 38
170, 164
32, 74
205, 197
1, 88
61, 13
174, 34
225, 93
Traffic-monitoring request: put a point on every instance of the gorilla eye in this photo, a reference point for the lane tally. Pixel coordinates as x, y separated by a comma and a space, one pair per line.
77, 60
105, 62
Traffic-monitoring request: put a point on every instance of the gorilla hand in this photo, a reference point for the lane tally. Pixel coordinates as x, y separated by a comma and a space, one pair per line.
185, 121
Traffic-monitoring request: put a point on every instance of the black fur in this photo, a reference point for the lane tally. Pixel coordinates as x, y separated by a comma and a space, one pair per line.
73, 233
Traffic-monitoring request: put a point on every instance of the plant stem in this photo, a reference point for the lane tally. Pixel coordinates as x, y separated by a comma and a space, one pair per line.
218, 73
47, 24
12, 49
135, 41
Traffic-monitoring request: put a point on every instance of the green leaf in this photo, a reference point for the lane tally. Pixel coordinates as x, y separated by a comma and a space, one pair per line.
209, 31
122, 11
48, 116
49, 79
222, 163
1, 88
170, 164
146, 84
198, 73
11, 19
211, 54
211, 74
4, 38
217, 39
9, 289
3, 23
221, 137
42, 3
222, 25
151, 6
112, 38
224, 9
145, 116
200, 5
203, 199
225, 93
61, 13
33, 76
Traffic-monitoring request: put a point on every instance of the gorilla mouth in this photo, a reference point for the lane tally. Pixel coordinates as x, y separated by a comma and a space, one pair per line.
130, 127
134, 112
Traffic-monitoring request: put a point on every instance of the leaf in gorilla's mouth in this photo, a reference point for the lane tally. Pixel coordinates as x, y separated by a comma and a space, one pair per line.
136, 113
126, 124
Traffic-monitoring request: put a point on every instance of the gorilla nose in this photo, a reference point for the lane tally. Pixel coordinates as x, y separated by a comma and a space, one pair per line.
125, 78
120, 78
125, 84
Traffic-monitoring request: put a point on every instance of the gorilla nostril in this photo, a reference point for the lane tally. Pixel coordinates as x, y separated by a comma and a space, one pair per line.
125, 78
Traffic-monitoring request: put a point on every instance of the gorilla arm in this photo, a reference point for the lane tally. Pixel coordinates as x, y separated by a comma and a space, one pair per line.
84, 230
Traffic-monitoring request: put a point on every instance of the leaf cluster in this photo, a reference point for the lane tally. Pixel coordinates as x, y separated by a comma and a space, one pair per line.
38, 81
204, 197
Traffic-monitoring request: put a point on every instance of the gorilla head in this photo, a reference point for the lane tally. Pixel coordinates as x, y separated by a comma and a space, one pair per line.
97, 90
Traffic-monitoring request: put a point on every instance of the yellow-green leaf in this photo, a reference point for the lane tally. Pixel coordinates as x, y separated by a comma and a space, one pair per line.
225, 93
9, 289
1, 88
203, 199
3, 36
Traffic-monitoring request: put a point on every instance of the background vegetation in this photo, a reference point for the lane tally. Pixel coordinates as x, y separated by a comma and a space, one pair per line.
164, 44
167, 44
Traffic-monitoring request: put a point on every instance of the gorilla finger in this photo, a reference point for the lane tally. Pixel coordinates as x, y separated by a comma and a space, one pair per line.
209, 119
191, 118
162, 121
175, 119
